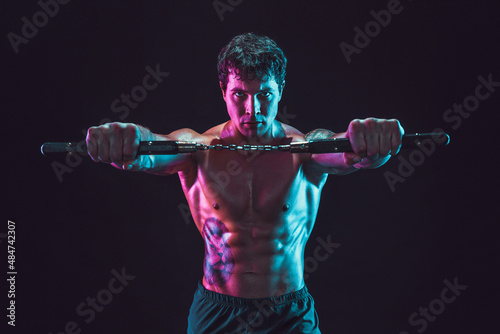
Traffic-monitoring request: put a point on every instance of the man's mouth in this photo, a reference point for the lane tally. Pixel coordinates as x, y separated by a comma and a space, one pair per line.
252, 122
252, 125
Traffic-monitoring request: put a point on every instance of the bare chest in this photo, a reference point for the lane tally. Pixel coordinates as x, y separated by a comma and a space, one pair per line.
261, 183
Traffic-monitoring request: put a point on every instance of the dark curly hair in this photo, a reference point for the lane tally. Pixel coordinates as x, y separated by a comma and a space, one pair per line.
251, 56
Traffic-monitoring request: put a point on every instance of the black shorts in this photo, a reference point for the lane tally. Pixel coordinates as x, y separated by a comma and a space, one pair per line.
215, 313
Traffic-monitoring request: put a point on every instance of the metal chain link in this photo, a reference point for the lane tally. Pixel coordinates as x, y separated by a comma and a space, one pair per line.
220, 147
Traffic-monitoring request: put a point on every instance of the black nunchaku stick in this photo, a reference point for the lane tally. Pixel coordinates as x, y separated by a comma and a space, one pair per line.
336, 145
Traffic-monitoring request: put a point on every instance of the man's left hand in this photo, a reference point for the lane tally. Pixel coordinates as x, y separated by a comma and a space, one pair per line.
373, 141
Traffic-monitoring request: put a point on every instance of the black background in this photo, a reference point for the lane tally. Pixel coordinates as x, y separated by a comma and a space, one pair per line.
397, 247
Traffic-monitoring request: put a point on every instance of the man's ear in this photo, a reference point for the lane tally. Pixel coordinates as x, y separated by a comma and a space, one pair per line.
223, 91
281, 89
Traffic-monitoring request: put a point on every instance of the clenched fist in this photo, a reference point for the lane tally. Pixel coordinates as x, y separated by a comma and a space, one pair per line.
118, 144
373, 140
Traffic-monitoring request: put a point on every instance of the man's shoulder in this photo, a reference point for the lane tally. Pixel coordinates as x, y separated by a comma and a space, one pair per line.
297, 135
215, 131
291, 132
318, 134
187, 134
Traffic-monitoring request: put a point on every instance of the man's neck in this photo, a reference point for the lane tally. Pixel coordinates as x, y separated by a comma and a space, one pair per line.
232, 135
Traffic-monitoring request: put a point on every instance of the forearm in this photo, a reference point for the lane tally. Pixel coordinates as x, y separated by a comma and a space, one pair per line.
162, 164
345, 163
334, 163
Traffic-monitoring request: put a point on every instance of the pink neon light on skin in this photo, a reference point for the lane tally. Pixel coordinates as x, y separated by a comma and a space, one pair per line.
252, 106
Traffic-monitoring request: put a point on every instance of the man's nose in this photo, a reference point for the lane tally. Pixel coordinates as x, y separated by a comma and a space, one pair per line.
252, 106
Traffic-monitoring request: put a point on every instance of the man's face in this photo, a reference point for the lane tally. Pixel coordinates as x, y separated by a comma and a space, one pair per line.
252, 105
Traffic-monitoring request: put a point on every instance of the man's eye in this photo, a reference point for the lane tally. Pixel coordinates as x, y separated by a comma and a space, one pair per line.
238, 94
266, 94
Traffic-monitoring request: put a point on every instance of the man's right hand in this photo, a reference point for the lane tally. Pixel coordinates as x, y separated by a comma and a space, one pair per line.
117, 144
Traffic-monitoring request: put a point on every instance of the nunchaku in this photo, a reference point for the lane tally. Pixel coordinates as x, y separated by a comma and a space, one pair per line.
335, 145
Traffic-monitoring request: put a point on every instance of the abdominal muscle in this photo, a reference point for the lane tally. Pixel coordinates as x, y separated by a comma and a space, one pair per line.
253, 261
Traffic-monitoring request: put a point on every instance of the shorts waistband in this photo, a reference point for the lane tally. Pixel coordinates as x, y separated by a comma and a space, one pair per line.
239, 301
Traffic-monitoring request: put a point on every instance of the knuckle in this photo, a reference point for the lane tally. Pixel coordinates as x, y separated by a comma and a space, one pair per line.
374, 124
92, 132
132, 130
355, 125
396, 125
115, 127
393, 123
370, 124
